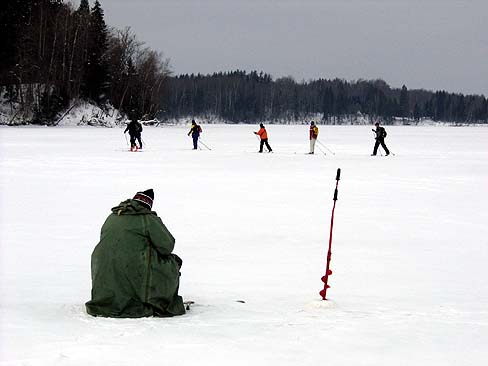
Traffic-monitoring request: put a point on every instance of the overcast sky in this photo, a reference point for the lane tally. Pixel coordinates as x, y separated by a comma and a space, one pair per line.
430, 44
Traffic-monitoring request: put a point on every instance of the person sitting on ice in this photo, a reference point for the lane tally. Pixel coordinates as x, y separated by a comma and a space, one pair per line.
134, 272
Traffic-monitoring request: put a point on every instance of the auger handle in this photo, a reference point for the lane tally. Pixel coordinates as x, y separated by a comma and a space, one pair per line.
338, 176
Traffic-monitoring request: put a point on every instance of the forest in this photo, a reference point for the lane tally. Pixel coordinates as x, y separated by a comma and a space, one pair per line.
53, 55
241, 96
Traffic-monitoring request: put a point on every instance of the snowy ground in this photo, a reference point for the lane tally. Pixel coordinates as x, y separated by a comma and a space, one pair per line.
410, 247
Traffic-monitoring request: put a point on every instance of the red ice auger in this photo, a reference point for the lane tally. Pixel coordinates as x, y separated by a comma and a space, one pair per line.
328, 272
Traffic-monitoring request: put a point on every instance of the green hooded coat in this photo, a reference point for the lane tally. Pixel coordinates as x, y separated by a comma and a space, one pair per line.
134, 273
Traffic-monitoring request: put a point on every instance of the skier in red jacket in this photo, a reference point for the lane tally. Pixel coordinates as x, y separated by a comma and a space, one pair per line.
264, 138
314, 133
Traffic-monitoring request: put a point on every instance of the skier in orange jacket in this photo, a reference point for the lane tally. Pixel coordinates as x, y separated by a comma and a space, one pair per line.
264, 138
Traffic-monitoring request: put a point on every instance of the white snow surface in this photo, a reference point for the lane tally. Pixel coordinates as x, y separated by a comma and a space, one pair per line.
409, 251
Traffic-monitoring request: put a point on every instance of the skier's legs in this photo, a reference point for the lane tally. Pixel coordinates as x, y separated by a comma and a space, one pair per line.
195, 142
267, 145
139, 138
384, 147
376, 144
312, 145
261, 144
132, 141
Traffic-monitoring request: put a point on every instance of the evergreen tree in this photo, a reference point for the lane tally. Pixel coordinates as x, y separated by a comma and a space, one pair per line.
404, 104
13, 19
97, 73
78, 58
484, 110
439, 105
460, 108
416, 112
327, 103
429, 109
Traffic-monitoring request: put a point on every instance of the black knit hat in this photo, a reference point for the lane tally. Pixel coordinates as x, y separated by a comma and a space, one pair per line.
146, 198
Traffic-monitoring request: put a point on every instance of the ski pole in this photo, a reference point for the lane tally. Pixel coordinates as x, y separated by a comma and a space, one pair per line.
200, 141
258, 137
320, 142
322, 151
126, 141
328, 272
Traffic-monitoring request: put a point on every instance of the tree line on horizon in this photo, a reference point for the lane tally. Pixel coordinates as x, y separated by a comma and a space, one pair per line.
251, 96
53, 55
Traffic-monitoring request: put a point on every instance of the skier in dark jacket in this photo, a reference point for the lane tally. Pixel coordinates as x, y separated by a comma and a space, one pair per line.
134, 272
195, 132
380, 139
135, 130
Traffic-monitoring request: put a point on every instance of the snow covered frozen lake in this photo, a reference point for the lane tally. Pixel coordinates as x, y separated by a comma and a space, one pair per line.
409, 256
